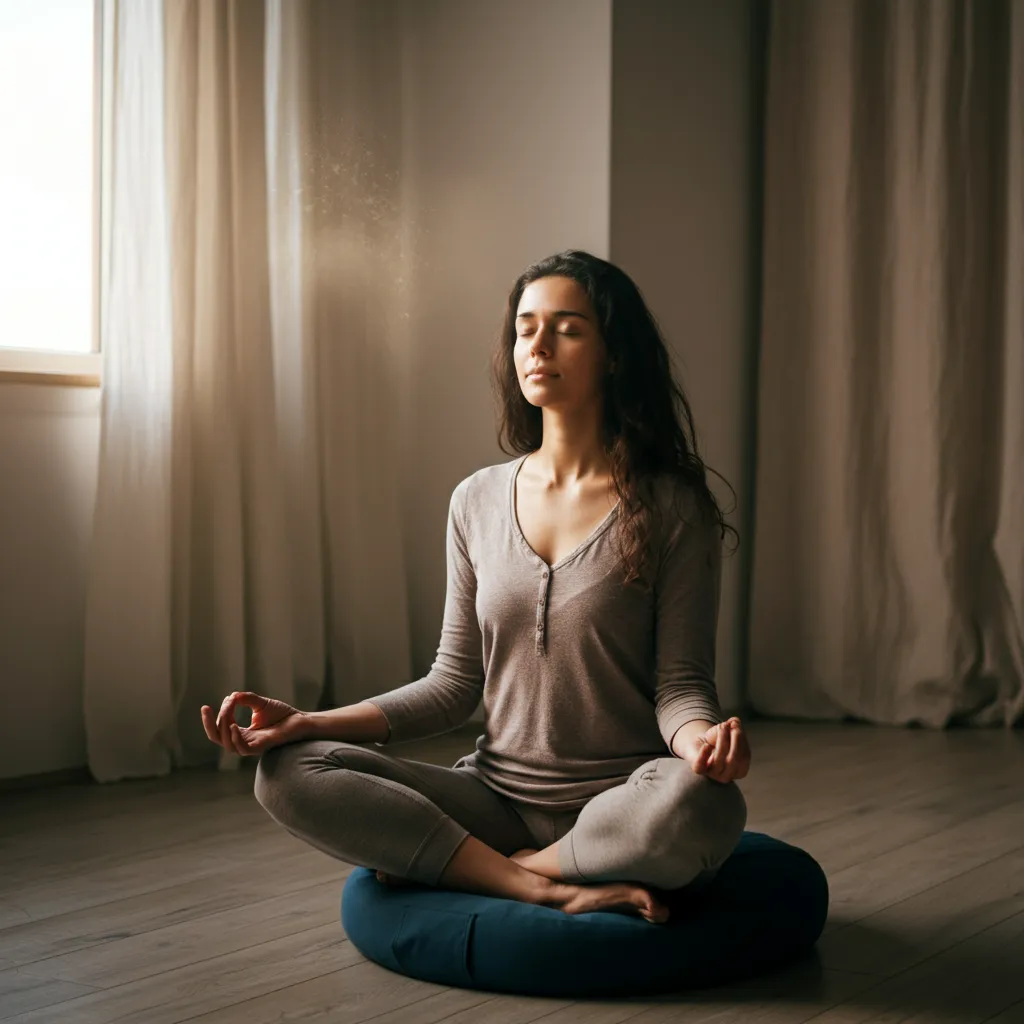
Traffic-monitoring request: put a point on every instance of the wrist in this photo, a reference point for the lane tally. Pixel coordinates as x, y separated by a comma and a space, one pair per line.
685, 739
308, 725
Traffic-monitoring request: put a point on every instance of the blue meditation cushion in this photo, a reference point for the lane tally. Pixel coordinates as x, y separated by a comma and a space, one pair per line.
766, 906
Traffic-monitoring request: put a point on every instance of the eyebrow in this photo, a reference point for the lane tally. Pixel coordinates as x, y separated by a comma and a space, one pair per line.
557, 312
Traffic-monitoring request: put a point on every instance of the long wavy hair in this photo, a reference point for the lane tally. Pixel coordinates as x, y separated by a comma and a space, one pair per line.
647, 427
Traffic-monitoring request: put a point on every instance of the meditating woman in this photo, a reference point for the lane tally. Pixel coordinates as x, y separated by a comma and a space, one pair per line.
583, 582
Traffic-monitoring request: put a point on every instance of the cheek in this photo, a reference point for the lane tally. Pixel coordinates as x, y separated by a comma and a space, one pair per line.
586, 367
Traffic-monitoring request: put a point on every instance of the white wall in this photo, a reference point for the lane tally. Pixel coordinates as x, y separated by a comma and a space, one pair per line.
509, 152
49, 440
683, 187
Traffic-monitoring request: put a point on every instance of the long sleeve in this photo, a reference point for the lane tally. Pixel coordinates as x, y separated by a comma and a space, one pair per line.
687, 596
446, 697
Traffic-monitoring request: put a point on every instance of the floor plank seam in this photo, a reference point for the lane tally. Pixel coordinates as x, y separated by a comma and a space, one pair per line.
891, 978
1009, 1006
153, 931
206, 960
147, 892
929, 835
306, 981
926, 889
114, 988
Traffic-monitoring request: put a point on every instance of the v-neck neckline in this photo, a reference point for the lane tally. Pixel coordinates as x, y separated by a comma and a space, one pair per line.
521, 537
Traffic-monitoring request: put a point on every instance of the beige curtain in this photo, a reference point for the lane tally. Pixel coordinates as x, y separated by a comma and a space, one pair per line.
889, 551
247, 522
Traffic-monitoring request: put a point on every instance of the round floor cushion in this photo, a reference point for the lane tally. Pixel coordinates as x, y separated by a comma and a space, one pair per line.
766, 906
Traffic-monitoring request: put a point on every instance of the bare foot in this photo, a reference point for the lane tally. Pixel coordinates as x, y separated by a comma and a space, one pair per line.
618, 897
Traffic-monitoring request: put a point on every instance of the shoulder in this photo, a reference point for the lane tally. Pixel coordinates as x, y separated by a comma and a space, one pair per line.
681, 517
483, 489
676, 500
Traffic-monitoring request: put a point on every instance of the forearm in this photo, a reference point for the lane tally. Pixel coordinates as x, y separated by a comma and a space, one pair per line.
356, 723
685, 735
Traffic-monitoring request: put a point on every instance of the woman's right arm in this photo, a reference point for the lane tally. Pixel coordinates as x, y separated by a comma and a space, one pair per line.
356, 723
448, 694
439, 702
274, 722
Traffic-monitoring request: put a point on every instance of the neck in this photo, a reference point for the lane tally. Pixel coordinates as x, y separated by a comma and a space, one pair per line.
571, 452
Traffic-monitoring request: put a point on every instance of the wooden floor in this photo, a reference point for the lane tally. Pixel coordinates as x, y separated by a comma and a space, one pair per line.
179, 899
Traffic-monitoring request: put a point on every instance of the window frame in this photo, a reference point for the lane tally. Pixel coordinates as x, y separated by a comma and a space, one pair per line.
80, 369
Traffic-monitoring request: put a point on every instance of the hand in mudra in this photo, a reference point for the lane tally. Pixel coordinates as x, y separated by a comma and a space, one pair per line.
273, 723
722, 753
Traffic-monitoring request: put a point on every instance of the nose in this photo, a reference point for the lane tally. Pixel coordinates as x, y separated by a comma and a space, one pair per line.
541, 341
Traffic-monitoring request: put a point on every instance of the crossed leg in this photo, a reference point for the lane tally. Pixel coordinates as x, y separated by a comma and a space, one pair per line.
440, 826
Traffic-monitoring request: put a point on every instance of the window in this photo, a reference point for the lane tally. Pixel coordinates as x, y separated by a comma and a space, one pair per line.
51, 102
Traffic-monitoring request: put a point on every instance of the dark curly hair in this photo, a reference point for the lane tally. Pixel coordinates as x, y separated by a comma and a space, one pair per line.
645, 433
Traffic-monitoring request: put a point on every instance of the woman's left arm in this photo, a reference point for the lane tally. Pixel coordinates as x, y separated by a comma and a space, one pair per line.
687, 598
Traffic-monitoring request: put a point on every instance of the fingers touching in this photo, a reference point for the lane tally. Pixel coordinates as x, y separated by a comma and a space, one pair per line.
728, 757
221, 728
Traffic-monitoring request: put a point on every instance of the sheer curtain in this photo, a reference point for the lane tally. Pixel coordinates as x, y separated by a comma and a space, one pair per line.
247, 527
889, 562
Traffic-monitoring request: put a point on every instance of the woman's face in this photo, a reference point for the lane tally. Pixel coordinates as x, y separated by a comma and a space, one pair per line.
557, 333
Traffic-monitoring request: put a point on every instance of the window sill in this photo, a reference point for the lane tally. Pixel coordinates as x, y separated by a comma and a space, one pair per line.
62, 369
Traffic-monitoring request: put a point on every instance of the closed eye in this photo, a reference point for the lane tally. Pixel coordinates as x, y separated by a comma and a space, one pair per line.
527, 334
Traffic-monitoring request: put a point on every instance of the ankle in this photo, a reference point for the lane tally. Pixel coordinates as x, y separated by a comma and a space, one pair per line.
548, 892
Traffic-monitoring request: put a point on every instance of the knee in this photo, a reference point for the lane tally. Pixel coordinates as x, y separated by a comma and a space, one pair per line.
725, 817
705, 816
276, 774
289, 777
283, 776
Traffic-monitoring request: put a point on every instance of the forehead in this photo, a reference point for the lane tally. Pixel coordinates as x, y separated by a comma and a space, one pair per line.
550, 293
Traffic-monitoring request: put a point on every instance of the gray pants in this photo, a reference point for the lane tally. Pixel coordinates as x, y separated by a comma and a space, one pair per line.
664, 826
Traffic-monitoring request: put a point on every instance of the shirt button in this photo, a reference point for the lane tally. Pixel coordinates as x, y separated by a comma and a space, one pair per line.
544, 575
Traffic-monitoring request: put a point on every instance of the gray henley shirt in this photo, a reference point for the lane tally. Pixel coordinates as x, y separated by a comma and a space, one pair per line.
582, 680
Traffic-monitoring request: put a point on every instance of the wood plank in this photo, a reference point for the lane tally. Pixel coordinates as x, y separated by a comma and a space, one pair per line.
180, 994
49, 853
121, 961
868, 833
799, 808
20, 993
187, 901
90, 802
1013, 1014
470, 1006
873, 884
359, 993
788, 996
353, 994
151, 872
909, 931
967, 983
915, 828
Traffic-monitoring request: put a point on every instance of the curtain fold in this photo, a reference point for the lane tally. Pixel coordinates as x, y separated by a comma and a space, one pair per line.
889, 551
226, 553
